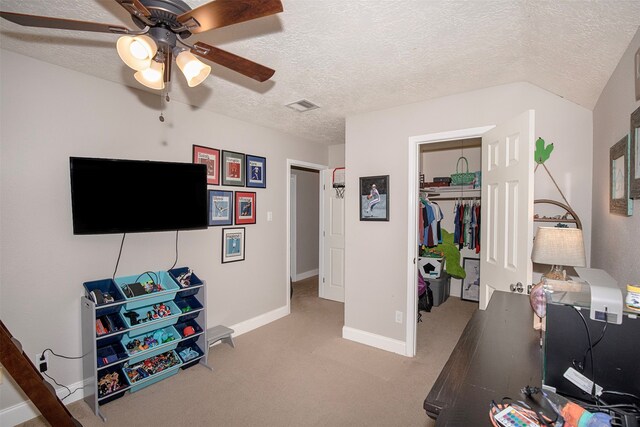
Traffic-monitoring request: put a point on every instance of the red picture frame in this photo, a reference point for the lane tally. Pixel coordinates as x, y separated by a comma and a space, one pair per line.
245, 207
210, 157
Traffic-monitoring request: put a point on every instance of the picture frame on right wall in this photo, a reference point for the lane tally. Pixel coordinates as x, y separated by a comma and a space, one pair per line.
256, 171
471, 283
634, 187
619, 162
233, 168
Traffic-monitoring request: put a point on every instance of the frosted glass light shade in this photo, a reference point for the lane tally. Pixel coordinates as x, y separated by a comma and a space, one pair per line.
137, 52
194, 70
559, 246
152, 77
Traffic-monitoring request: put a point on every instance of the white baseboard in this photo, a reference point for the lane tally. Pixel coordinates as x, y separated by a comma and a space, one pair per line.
305, 275
261, 320
26, 410
374, 340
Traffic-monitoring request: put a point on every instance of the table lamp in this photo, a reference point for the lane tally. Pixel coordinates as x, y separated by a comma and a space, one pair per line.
558, 246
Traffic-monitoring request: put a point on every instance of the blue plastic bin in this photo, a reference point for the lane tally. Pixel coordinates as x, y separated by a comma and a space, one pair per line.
151, 325
169, 285
152, 350
106, 286
152, 379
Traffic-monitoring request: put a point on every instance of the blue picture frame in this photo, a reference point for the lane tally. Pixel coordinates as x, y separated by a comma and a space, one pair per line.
256, 171
220, 207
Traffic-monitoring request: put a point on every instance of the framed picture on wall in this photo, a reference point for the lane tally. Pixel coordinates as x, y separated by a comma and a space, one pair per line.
256, 171
233, 244
232, 168
619, 165
471, 283
634, 136
220, 207
374, 198
245, 207
211, 158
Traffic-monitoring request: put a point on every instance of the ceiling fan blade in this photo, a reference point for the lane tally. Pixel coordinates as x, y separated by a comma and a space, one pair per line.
62, 24
233, 62
220, 13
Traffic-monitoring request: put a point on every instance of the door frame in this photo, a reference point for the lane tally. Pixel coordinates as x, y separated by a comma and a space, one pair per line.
293, 237
412, 223
320, 168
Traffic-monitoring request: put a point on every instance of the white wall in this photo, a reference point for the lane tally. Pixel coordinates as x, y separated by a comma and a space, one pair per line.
377, 144
336, 156
307, 222
616, 238
49, 113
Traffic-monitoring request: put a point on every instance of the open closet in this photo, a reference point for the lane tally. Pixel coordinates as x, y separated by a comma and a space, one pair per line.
449, 223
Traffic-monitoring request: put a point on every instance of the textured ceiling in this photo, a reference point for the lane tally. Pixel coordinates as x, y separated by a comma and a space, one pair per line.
351, 56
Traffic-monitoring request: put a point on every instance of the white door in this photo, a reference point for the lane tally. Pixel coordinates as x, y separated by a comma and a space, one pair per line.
506, 234
293, 183
332, 277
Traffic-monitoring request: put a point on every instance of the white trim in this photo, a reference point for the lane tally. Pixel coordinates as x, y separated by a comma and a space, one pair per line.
293, 206
374, 340
261, 320
320, 168
412, 224
306, 275
25, 411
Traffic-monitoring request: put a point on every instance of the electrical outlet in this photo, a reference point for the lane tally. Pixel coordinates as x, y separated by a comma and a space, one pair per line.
42, 362
398, 316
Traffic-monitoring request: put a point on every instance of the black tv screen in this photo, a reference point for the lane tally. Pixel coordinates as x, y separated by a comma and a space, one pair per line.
130, 196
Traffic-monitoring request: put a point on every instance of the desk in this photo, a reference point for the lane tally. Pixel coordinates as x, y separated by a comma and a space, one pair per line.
497, 355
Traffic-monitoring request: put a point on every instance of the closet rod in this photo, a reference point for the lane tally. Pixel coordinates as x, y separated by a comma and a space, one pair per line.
455, 198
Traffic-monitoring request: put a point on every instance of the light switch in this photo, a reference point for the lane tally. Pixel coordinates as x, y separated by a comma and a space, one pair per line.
269, 216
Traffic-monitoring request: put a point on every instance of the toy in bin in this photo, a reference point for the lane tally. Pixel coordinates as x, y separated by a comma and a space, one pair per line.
188, 330
188, 354
151, 366
185, 278
108, 384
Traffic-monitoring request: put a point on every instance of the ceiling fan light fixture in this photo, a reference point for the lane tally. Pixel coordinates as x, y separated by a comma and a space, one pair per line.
151, 77
137, 52
194, 70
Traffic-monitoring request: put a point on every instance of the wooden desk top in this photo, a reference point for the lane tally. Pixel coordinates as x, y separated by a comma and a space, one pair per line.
497, 355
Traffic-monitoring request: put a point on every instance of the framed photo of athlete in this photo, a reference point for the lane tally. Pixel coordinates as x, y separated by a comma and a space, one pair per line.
232, 168
634, 191
220, 207
471, 283
374, 198
211, 158
233, 244
245, 207
256, 171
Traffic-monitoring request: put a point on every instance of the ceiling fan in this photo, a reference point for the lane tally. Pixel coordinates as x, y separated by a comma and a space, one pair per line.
164, 25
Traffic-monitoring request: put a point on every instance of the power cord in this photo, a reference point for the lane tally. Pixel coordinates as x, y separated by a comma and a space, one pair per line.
176, 261
580, 365
69, 391
593, 375
119, 254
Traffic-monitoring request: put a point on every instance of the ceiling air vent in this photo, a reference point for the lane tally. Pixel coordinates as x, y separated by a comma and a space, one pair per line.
302, 106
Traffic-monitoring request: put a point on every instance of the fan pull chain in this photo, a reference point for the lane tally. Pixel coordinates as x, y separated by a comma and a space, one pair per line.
163, 97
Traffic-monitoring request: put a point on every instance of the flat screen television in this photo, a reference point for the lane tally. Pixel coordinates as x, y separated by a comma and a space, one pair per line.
132, 196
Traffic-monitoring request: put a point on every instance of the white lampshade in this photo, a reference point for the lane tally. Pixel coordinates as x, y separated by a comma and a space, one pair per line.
194, 70
559, 246
137, 52
152, 77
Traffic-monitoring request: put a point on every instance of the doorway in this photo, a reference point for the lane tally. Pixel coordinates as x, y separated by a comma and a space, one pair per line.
304, 222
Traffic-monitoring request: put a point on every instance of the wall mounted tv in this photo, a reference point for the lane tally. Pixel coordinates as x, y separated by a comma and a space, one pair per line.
130, 196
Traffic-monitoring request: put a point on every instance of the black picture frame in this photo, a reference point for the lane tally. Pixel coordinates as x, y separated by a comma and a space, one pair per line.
233, 244
256, 171
634, 174
470, 290
374, 198
233, 166
619, 168
220, 207
245, 207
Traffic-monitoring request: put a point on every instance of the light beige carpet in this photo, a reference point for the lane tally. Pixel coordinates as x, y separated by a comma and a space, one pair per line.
297, 371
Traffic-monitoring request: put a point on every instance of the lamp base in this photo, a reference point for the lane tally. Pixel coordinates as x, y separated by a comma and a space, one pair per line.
556, 273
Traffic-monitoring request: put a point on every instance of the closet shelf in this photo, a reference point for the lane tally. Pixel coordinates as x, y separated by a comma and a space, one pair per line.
440, 194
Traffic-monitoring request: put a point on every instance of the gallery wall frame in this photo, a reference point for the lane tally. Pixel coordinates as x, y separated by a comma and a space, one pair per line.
374, 198
634, 135
233, 244
210, 157
220, 207
233, 166
619, 167
471, 283
245, 207
256, 171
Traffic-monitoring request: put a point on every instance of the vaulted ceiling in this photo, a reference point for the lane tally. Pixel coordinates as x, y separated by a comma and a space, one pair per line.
351, 56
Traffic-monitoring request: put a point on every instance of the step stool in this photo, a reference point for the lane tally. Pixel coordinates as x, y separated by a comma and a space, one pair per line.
218, 333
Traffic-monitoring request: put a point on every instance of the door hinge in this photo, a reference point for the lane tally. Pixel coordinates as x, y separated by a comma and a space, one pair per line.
323, 280
323, 234
324, 187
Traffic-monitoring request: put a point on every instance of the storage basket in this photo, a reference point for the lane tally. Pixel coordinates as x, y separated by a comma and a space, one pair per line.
462, 178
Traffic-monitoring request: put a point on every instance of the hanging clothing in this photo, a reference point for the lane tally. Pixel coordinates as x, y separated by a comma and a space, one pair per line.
430, 231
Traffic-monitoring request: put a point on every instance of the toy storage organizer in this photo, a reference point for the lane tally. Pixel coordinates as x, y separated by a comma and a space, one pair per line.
140, 338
